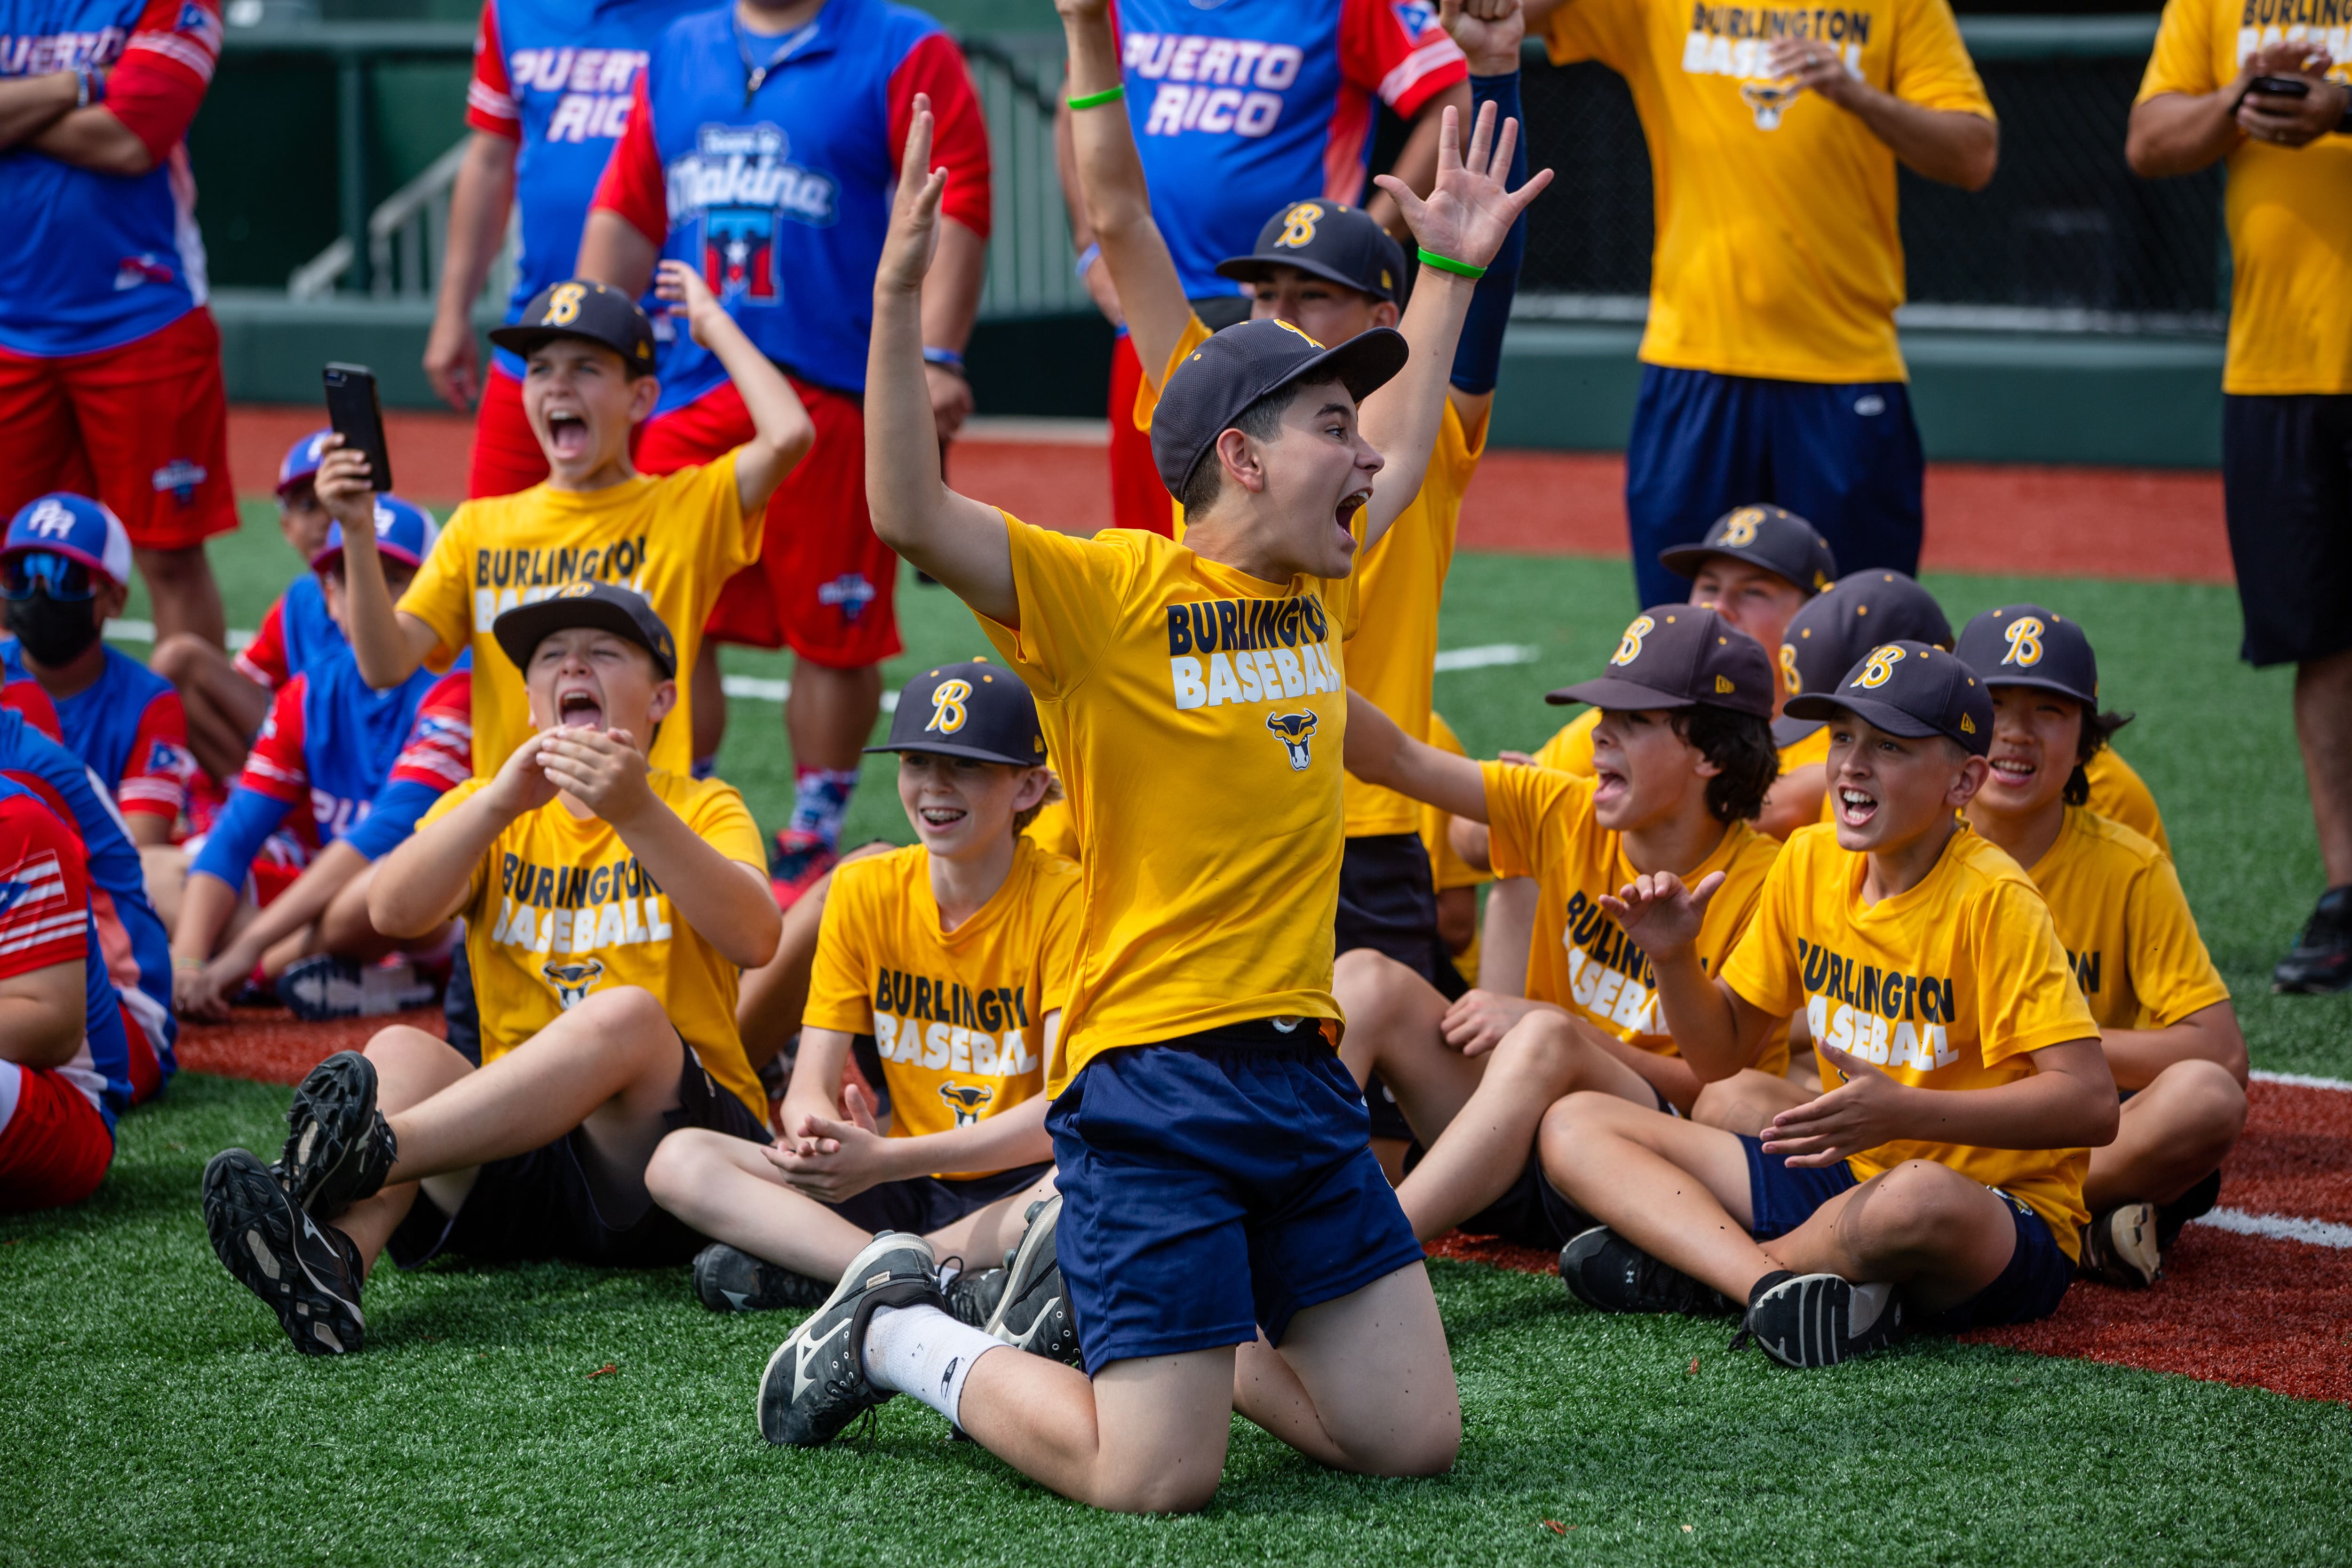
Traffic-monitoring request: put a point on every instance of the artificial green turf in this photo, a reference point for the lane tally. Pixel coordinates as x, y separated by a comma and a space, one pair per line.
155, 1413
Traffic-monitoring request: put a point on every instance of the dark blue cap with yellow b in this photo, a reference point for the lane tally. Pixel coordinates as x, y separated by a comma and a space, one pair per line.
2025, 644
590, 311
975, 709
1910, 689
1329, 240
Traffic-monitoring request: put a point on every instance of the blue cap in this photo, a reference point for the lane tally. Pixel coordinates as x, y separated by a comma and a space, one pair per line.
977, 710
1333, 241
1771, 537
1909, 689
1245, 361
302, 459
404, 531
2025, 644
75, 527
607, 606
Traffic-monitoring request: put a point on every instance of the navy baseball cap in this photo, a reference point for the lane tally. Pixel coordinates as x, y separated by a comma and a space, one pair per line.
975, 709
607, 607
1680, 655
302, 459
1243, 363
1835, 628
587, 310
1332, 240
2025, 644
75, 527
404, 531
1771, 537
1910, 688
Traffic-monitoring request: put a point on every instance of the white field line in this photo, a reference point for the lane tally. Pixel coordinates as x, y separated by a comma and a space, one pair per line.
2280, 1228
2301, 1080
144, 631
1487, 653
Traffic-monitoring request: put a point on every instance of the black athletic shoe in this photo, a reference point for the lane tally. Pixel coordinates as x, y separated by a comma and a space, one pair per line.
305, 1272
1820, 1320
727, 1280
338, 1147
2195, 1204
1610, 1274
1035, 1313
2120, 1248
972, 1293
815, 1384
2321, 960
324, 986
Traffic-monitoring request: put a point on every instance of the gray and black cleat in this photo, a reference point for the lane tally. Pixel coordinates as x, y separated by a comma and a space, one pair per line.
728, 1279
1033, 1313
305, 1272
1610, 1274
1820, 1320
815, 1384
338, 1147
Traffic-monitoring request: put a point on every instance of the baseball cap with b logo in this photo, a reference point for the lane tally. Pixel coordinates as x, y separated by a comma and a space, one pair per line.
1213, 383
2025, 644
975, 709
1771, 537
607, 606
1330, 239
75, 527
1910, 689
1680, 655
590, 311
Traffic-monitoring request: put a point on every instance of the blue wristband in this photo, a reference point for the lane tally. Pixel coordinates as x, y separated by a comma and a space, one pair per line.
1086, 259
946, 359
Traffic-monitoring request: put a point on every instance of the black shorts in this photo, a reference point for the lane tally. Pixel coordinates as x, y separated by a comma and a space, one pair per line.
542, 1204
2286, 488
1386, 903
920, 1205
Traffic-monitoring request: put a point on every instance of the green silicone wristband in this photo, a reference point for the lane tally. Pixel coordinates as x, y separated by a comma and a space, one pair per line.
1448, 264
1097, 100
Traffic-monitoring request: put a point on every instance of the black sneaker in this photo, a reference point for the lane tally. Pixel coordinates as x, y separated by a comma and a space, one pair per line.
2321, 960
1610, 1274
338, 1147
307, 1273
815, 1384
1820, 1320
972, 1293
2120, 1248
728, 1279
2195, 1204
324, 986
1034, 1314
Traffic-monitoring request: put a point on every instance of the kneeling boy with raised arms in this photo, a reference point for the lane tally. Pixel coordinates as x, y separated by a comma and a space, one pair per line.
1683, 758
1212, 1152
1937, 1185
2171, 1037
948, 962
609, 909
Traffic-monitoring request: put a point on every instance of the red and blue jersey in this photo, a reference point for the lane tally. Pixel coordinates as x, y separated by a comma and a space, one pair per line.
128, 726
93, 261
45, 920
295, 630
781, 196
131, 935
1242, 107
559, 78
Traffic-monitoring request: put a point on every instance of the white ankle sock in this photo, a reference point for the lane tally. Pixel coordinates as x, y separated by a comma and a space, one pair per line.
923, 1351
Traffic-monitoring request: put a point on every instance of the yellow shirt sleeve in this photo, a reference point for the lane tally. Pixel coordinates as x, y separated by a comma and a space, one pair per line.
1932, 68
2182, 60
1147, 387
844, 967
2027, 999
1058, 941
1609, 31
1518, 799
441, 597
2171, 973
1072, 592
1762, 969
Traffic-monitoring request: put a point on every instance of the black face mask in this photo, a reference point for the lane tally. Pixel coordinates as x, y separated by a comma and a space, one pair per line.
55, 632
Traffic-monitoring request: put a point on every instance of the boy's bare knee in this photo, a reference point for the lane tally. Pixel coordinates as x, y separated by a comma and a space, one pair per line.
1160, 1493
2211, 1102
630, 1013
681, 1162
1913, 1210
1370, 981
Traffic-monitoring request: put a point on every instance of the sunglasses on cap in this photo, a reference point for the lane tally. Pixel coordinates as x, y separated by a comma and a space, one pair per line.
64, 579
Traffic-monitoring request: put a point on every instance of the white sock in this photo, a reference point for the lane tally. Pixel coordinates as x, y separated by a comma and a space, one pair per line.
923, 1351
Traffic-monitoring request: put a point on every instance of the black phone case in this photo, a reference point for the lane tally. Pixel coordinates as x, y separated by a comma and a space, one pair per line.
357, 415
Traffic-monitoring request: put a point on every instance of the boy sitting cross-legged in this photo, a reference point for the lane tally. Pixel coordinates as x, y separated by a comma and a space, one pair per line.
2171, 1037
949, 960
1938, 1183
1683, 758
609, 909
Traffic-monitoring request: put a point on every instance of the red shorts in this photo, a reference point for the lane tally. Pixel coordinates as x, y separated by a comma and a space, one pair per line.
824, 584
53, 1145
1137, 498
505, 457
143, 427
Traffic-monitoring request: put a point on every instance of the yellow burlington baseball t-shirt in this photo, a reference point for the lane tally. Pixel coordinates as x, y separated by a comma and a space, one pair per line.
1777, 252
2126, 925
1951, 984
958, 1017
2289, 209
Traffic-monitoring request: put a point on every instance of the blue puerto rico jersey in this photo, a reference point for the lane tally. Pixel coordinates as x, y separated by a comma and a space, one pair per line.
91, 261
783, 201
294, 633
45, 920
1241, 107
129, 728
558, 78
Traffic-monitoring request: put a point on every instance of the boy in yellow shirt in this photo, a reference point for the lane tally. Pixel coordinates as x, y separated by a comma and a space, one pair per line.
2170, 1035
609, 908
1938, 1183
1226, 1237
1682, 757
945, 964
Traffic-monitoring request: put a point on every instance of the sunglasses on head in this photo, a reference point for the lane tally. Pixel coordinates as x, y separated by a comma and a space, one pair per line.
64, 579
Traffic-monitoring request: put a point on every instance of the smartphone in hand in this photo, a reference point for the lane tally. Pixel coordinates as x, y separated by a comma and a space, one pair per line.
357, 415
2275, 87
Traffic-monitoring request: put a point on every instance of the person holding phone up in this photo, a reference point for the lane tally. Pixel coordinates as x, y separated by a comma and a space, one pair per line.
2273, 104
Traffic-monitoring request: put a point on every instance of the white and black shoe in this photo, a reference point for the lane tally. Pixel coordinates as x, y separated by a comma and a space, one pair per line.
1819, 1320
324, 986
338, 1147
305, 1272
729, 1280
1610, 1274
2120, 1248
815, 1384
1034, 1314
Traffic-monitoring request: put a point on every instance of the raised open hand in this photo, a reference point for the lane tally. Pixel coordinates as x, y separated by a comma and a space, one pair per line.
1660, 913
1468, 214
914, 233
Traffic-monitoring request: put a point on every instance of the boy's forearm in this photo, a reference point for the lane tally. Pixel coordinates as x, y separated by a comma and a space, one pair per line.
380, 646
734, 912
2211, 1033
206, 905
29, 105
422, 882
1401, 420
478, 203
2042, 1111
1119, 202
303, 902
995, 1144
1700, 1014
816, 1086
781, 429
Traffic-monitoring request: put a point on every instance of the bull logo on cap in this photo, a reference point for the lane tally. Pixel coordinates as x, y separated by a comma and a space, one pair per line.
1629, 646
1770, 99
966, 1101
1295, 731
2024, 637
572, 981
948, 712
1880, 668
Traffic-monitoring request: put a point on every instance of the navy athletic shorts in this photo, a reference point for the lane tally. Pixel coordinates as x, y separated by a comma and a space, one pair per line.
2031, 1287
2286, 489
1845, 457
1213, 1185
920, 1205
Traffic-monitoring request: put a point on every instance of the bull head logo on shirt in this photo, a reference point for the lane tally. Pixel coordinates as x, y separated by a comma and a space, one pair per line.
1295, 731
1770, 99
966, 1100
572, 981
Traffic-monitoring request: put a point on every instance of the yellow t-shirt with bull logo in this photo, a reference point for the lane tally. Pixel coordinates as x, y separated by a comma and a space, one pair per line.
1195, 715
560, 909
958, 1016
